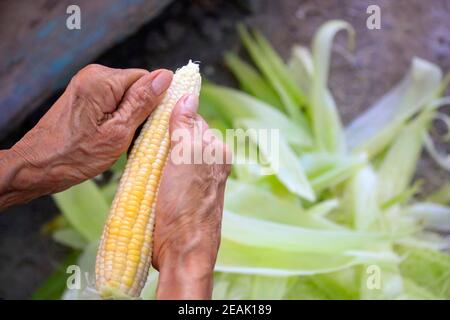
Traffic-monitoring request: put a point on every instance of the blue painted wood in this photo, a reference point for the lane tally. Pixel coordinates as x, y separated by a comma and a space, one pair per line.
39, 53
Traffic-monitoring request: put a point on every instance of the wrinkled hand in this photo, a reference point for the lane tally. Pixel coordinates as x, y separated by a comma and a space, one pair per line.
83, 134
89, 126
189, 212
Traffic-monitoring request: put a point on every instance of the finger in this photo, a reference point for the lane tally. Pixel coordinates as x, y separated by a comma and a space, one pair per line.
202, 123
119, 80
142, 98
186, 130
197, 118
184, 114
126, 77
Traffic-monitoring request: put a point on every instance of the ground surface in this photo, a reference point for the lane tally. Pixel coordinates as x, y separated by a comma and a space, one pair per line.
202, 31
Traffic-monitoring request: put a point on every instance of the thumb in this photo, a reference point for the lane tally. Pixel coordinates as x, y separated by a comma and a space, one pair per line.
184, 114
142, 98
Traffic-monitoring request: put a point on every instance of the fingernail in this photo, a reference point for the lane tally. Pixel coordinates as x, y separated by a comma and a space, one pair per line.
161, 82
190, 103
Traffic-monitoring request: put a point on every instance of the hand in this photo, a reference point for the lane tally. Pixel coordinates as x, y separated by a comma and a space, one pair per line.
83, 133
189, 212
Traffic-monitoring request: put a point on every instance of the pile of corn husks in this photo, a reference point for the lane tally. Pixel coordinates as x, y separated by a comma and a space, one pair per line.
341, 218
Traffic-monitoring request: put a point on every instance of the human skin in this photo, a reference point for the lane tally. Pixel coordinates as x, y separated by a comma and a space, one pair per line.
196, 206
83, 134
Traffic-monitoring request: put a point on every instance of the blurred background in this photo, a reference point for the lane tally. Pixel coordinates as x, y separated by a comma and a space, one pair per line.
39, 56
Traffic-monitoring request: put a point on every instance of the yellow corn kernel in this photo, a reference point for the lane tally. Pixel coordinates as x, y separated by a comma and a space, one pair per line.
124, 254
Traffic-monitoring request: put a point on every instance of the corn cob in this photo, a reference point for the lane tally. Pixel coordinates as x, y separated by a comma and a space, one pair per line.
124, 255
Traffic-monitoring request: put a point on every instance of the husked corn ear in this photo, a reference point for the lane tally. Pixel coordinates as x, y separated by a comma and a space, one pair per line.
124, 255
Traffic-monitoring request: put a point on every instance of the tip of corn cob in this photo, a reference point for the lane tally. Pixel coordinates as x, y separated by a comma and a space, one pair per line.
189, 71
